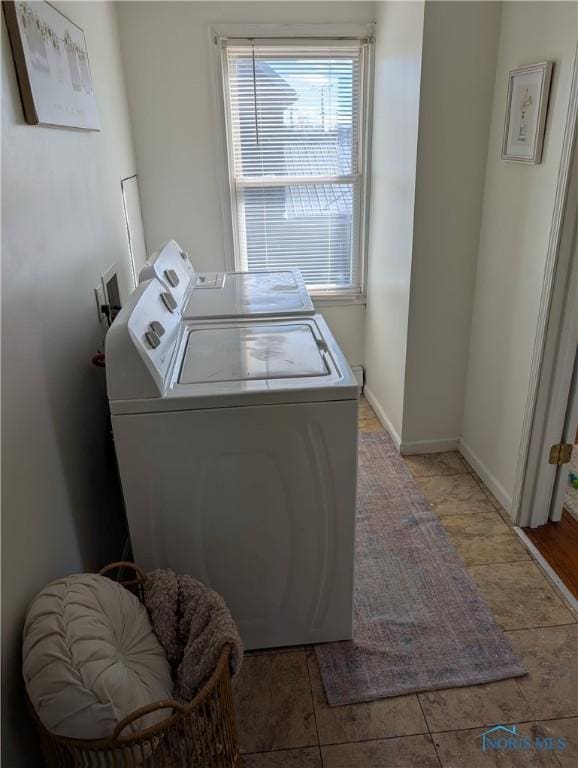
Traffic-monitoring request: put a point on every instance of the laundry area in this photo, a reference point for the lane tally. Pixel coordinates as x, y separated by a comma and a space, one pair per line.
289, 384
247, 415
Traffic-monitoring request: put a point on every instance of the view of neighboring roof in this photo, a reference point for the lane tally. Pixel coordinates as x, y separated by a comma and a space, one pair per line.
329, 158
324, 155
280, 95
318, 200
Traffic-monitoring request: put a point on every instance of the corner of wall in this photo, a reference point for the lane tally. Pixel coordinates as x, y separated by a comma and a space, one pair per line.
452, 156
398, 53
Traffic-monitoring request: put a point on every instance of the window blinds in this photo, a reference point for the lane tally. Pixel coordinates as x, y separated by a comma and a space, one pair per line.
294, 117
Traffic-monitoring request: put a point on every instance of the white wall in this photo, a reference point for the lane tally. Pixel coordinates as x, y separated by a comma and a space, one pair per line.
517, 211
62, 226
172, 98
458, 73
398, 49
435, 69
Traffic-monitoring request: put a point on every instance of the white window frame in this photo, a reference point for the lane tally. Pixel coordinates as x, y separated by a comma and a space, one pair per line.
304, 34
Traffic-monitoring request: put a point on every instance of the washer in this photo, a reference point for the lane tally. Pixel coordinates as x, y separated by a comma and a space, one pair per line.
237, 447
227, 294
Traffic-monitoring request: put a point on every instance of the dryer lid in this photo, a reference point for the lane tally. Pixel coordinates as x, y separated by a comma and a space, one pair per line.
251, 352
245, 294
211, 295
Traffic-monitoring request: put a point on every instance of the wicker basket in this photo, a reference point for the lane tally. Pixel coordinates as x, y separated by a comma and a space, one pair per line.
197, 734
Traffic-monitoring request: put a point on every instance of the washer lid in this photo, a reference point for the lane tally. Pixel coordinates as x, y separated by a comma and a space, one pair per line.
252, 352
233, 363
244, 294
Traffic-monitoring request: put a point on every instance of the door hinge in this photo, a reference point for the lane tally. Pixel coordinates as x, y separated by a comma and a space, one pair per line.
561, 453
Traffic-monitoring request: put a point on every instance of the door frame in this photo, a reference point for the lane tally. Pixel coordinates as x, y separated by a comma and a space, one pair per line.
555, 343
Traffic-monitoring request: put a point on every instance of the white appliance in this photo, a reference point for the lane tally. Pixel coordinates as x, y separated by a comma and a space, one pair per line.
237, 447
227, 294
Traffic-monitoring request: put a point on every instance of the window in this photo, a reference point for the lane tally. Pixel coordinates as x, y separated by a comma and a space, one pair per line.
295, 115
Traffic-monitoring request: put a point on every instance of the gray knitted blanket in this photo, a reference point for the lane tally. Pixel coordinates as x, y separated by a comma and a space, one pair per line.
193, 624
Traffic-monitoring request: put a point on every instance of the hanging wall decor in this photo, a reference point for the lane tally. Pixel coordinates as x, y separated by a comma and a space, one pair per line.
526, 107
52, 66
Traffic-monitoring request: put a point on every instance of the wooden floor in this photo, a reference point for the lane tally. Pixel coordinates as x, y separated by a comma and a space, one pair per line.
558, 543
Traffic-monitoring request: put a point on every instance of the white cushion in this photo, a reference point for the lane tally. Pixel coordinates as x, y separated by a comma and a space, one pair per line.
90, 658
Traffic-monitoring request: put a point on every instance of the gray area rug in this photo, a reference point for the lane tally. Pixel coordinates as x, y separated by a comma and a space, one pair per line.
420, 623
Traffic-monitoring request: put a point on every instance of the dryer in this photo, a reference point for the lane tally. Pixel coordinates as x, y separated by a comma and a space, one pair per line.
237, 446
210, 295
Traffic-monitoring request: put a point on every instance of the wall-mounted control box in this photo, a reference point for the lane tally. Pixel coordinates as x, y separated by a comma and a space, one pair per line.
107, 295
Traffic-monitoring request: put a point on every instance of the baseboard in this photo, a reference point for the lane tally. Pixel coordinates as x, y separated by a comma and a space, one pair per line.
379, 412
409, 448
484, 474
429, 446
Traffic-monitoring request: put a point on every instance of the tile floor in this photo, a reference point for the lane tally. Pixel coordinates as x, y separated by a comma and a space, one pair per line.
284, 720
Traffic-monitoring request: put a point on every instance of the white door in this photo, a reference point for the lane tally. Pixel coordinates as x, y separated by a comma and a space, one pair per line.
568, 438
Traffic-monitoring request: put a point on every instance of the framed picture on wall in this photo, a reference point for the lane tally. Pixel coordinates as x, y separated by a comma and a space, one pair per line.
526, 107
51, 65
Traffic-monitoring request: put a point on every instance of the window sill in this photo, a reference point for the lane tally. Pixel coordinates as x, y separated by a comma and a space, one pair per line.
335, 300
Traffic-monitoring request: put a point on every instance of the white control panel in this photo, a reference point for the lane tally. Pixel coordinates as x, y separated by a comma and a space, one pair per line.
141, 343
172, 266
